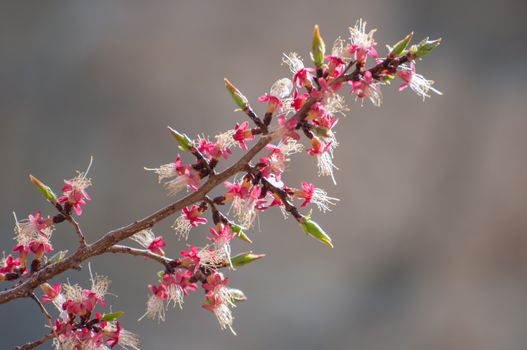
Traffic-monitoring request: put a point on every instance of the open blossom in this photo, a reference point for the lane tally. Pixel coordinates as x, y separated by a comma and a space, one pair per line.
416, 82
155, 306
191, 258
323, 152
190, 217
279, 90
39, 247
213, 150
9, 264
178, 285
243, 133
362, 43
367, 87
30, 228
303, 77
245, 198
287, 128
116, 335
184, 176
221, 239
74, 192
219, 299
150, 241
314, 195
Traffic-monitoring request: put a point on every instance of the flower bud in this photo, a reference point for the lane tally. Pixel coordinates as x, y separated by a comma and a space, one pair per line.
239, 232
318, 48
245, 258
401, 45
239, 99
45, 190
312, 229
424, 47
185, 143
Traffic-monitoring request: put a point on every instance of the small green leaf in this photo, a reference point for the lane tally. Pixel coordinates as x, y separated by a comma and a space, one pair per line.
111, 316
245, 258
45, 190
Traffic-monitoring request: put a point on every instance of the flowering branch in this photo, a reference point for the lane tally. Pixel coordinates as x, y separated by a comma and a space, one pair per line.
309, 102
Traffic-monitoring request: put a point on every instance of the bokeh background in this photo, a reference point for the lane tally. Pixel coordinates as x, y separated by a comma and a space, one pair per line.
431, 230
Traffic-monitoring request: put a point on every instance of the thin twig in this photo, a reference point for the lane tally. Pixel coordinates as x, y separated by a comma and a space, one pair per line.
139, 252
78, 231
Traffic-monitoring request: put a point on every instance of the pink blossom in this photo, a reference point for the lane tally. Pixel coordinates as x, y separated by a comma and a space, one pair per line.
40, 248
306, 193
406, 75
156, 246
287, 128
74, 193
193, 215
50, 292
273, 103
191, 258
9, 264
213, 150
242, 133
224, 234
318, 146
299, 100
304, 77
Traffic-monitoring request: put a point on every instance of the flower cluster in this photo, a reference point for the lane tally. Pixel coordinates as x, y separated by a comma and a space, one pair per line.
79, 326
300, 114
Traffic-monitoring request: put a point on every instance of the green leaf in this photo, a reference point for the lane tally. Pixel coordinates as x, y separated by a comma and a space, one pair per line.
111, 316
245, 258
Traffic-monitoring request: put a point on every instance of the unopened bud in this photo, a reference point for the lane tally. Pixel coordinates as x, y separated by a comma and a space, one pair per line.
424, 47
312, 229
245, 258
45, 190
401, 45
185, 143
318, 48
238, 98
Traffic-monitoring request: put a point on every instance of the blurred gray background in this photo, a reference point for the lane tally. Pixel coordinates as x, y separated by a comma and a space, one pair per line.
431, 230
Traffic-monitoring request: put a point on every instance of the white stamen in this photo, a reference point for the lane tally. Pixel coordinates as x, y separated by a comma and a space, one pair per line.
144, 237
165, 171
294, 62
182, 227
321, 199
